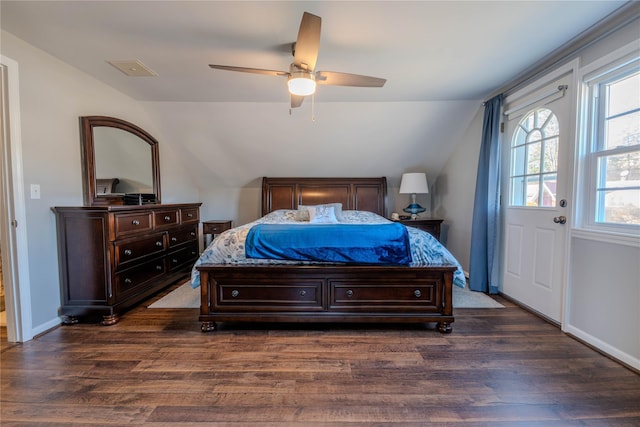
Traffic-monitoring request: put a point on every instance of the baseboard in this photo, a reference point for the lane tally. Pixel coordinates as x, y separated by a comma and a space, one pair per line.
604, 348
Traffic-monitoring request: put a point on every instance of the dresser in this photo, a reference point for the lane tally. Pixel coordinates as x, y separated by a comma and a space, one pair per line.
431, 226
113, 257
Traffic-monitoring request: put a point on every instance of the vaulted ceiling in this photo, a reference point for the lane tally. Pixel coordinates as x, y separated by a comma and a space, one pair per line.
440, 59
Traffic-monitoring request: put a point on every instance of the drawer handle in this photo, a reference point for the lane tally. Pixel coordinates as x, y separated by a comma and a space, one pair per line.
303, 293
158, 243
193, 233
190, 215
174, 239
349, 293
417, 293
214, 228
235, 293
127, 281
174, 260
127, 252
167, 218
193, 252
159, 267
135, 222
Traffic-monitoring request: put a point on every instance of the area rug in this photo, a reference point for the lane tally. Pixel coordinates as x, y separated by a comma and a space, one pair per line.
187, 297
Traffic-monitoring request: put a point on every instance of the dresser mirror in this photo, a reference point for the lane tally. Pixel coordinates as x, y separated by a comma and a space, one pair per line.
118, 158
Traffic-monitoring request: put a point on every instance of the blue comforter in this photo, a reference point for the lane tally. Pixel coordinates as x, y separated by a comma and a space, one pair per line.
345, 243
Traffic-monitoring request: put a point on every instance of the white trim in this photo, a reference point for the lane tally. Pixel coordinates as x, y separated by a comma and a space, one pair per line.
606, 237
20, 295
623, 357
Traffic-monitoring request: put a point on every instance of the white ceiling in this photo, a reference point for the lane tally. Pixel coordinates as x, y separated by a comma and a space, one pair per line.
427, 50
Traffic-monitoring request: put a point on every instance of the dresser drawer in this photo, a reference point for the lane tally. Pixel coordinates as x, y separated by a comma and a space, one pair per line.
166, 218
128, 281
132, 223
182, 235
189, 215
269, 296
186, 255
130, 251
419, 296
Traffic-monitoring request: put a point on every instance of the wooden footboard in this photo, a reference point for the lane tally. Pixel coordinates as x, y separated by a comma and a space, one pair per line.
279, 293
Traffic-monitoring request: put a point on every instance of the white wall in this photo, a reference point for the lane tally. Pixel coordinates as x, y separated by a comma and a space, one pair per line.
53, 96
455, 190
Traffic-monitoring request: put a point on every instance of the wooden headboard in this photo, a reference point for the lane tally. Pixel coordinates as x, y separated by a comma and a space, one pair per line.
365, 194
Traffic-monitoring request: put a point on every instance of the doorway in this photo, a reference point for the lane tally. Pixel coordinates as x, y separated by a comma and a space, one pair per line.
536, 194
13, 233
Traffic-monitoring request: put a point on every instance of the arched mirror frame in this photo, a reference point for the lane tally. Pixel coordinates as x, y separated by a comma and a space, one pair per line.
87, 124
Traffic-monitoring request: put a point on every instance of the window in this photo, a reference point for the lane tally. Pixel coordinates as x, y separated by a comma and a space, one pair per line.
613, 155
534, 160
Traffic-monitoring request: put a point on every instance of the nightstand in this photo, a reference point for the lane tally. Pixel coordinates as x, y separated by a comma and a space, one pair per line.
429, 225
212, 227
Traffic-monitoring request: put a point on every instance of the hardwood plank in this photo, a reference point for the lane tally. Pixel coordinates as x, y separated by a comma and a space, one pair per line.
498, 368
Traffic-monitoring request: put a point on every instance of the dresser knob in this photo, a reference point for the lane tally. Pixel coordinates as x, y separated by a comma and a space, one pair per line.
303, 293
174, 260
167, 218
158, 243
127, 281
159, 267
235, 293
349, 293
190, 215
135, 222
193, 233
174, 239
127, 252
417, 293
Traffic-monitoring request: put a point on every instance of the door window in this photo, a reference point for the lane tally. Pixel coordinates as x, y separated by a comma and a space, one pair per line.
534, 160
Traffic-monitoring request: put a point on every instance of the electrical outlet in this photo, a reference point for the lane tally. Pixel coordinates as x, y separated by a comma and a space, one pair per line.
35, 191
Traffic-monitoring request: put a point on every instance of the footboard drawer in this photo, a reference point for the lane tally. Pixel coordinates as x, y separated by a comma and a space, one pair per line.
423, 296
269, 296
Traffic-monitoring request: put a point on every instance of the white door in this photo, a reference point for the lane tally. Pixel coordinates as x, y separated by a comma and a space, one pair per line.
535, 196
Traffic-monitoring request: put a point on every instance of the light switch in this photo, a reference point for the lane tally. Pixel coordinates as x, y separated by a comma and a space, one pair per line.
35, 191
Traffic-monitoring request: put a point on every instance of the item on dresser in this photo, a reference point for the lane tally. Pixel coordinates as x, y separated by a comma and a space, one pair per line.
113, 257
266, 290
139, 198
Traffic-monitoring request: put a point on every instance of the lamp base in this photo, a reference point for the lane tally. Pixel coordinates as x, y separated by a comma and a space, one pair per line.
414, 209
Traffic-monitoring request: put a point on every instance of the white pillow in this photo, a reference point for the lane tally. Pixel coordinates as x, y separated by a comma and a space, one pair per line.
303, 211
322, 214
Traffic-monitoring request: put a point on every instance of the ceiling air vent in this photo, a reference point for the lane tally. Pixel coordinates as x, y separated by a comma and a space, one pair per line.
133, 68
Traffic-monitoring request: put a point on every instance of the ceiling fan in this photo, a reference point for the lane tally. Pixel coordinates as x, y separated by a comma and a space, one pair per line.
302, 79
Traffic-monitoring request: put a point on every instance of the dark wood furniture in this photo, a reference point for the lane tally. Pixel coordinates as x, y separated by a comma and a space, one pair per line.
325, 293
113, 257
429, 225
212, 227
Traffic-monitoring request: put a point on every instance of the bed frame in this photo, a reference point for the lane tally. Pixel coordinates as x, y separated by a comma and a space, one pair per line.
325, 293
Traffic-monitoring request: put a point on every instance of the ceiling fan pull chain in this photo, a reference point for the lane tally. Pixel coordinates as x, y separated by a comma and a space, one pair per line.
313, 108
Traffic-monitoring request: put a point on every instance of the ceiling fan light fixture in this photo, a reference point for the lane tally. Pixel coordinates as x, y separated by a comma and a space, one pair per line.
301, 83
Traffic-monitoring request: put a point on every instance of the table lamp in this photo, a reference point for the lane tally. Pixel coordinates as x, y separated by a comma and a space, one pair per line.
414, 183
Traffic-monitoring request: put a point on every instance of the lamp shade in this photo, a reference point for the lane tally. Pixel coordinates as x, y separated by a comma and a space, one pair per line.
414, 183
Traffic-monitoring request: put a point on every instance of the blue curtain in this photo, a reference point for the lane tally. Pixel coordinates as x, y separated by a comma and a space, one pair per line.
484, 259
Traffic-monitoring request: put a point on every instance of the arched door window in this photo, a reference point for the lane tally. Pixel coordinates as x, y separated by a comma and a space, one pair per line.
534, 160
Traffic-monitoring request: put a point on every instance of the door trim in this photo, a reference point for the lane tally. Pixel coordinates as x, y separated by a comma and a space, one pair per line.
14, 224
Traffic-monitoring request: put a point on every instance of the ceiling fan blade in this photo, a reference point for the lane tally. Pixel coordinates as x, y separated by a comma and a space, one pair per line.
249, 70
346, 79
308, 42
296, 100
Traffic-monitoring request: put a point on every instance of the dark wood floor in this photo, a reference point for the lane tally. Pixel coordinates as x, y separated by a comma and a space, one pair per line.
499, 367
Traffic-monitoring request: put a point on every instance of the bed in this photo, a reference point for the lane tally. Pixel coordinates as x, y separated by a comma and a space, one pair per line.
266, 290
